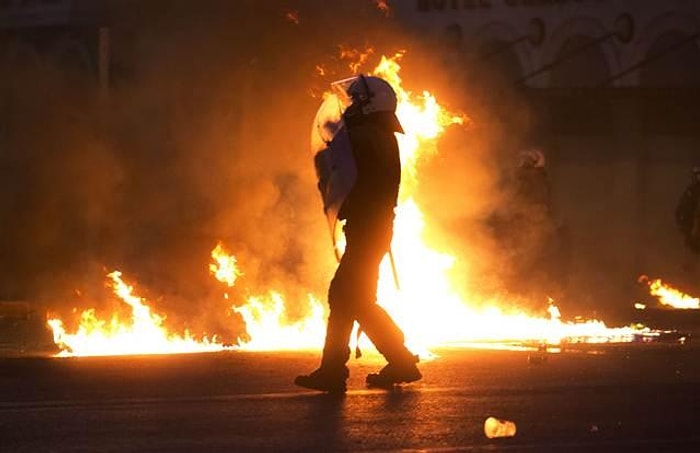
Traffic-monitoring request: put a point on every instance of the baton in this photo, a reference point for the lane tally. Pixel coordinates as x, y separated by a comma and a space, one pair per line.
393, 270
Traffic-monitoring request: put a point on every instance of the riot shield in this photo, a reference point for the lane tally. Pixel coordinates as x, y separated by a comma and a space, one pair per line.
333, 159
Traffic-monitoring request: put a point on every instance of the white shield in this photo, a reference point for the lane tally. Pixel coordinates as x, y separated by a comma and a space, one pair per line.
335, 165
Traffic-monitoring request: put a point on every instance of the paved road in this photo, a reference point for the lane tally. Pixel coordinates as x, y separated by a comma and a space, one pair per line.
632, 399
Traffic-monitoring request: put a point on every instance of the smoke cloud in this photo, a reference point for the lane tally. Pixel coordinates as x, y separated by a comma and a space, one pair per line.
204, 137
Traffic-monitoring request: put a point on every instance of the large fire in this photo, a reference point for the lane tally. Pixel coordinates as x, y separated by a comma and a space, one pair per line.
426, 304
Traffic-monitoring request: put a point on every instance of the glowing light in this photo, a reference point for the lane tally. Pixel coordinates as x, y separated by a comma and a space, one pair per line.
143, 333
354, 57
269, 325
269, 328
427, 306
422, 118
224, 266
670, 296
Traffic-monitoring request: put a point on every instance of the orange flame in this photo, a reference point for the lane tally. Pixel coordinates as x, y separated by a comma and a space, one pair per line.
270, 330
268, 324
422, 118
428, 307
224, 266
142, 334
356, 58
670, 296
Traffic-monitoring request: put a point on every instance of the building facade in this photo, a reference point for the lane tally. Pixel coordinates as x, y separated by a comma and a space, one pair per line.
70, 34
572, 43
616, 84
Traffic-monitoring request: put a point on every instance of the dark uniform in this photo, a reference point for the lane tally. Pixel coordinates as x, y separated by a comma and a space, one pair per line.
369, 214
532, 189
535, 242
688, 213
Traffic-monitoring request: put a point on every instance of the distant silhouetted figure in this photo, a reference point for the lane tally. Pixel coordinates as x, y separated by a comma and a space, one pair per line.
688, 212
534, 243
368, 210
532, 189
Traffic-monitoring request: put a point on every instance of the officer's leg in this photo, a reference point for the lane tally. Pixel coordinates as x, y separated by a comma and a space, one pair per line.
385, 334
332, 374
375, 322
336, 350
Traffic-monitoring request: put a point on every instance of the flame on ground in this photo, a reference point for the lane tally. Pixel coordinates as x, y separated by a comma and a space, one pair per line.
270, 330
143, 333
669, 296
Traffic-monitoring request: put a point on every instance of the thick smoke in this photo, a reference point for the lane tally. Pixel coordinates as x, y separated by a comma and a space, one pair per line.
204, 137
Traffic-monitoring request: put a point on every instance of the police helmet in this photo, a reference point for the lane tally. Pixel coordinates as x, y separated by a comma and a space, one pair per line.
371, 94
532, 158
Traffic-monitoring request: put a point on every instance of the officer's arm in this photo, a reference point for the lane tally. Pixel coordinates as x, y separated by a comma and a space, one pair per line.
364, 150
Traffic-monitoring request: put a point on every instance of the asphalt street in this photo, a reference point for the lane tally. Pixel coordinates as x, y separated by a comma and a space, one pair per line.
632, 398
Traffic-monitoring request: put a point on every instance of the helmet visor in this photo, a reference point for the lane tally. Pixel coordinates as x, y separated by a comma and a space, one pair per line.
340, 89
